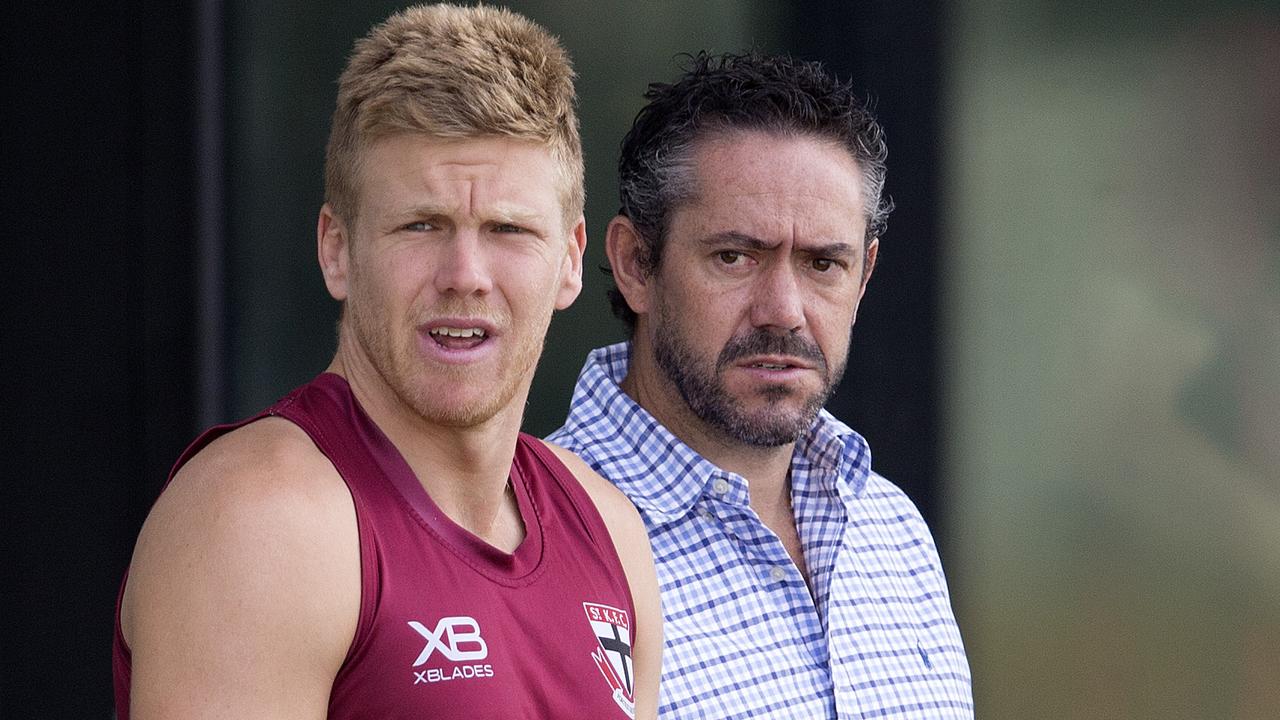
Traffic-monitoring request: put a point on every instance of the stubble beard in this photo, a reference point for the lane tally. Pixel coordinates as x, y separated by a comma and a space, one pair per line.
394, 355
701, 384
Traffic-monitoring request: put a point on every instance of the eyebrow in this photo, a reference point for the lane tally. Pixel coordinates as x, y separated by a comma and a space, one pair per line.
736, 239
733, 238
516, 215
832, 250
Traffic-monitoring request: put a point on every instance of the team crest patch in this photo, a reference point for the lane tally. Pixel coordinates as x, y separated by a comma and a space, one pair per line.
612, 628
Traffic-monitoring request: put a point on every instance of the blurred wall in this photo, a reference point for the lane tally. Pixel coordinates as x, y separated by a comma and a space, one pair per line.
1112, 303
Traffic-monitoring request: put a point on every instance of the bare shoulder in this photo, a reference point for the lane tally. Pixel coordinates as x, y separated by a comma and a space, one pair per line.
267, 445
263, 482
251, 552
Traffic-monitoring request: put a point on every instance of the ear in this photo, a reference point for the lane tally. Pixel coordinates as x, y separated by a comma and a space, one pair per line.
333, 247
623, 245
868, 264
571, 266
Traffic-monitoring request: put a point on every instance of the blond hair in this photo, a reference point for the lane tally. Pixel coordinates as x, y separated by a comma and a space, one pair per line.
453, 72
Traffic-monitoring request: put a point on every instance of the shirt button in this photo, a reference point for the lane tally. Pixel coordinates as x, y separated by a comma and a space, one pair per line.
721, 486
777, 573
706, 514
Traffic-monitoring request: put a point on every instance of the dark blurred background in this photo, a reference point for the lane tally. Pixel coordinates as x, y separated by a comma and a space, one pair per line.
1069, 355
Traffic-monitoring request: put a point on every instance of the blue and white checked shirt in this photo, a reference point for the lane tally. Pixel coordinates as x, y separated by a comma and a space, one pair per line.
744, 638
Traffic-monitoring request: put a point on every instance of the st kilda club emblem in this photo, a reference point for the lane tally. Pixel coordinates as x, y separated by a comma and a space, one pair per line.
612, 628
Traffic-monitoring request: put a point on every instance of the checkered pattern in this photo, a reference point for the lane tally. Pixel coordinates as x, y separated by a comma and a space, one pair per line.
744, 638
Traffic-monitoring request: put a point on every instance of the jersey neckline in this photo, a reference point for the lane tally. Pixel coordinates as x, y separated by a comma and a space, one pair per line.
486, 559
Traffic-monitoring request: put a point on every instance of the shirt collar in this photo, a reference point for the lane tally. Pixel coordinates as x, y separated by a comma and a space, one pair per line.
654, 468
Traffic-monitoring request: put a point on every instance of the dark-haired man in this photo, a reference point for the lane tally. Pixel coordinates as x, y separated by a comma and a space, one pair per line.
796, 582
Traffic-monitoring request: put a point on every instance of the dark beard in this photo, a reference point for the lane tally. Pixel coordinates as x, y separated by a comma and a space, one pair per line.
704, 392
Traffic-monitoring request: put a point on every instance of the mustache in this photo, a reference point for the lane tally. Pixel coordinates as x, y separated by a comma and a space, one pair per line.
760, 342
466, 308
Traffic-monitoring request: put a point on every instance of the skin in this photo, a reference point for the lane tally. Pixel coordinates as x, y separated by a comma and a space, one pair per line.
771, 243
244, 591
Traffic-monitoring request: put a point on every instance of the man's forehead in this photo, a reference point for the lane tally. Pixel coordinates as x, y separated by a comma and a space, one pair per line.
525, 167
749, 166
412, 158
766, 219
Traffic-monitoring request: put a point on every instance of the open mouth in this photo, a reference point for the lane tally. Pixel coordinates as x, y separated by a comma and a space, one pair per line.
456, 338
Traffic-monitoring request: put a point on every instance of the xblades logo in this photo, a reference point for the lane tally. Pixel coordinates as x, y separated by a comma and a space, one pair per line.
450, 637
458, 640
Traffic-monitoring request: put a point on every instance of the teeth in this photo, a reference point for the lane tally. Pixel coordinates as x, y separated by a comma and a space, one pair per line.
458, 332
770, 366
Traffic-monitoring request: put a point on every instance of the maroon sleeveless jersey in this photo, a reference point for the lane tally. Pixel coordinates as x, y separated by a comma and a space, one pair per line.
451, 627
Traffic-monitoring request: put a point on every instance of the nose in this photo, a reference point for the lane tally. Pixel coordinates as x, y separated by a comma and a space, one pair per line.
461, 267
777, 303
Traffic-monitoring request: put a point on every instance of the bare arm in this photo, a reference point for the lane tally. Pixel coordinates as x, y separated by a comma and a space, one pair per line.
244, 591
632, 543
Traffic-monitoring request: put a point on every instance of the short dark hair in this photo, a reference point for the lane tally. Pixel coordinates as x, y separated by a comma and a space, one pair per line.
724, 93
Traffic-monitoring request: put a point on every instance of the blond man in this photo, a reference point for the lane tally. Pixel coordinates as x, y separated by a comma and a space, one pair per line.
384, 542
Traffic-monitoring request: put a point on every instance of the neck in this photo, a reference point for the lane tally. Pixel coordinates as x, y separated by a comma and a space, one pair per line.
464, 470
